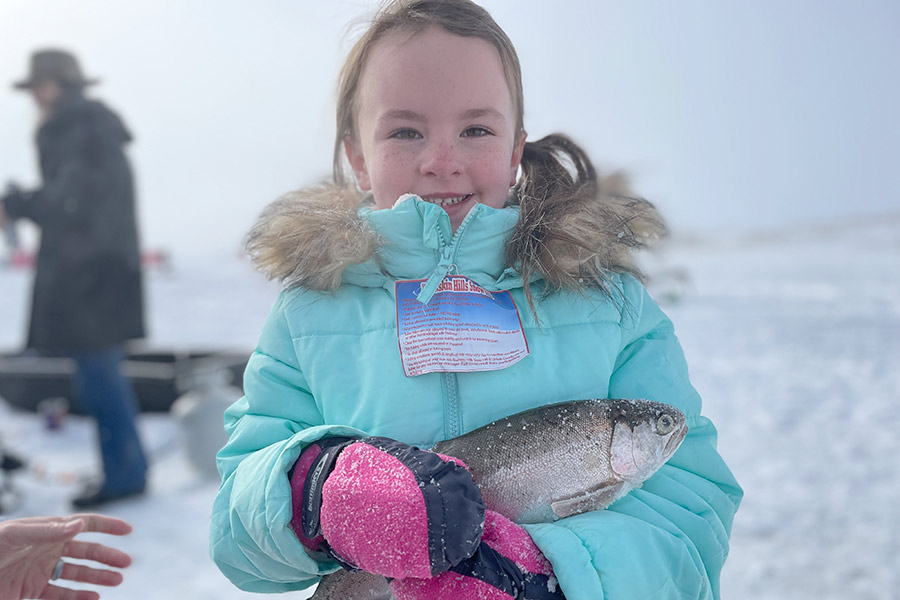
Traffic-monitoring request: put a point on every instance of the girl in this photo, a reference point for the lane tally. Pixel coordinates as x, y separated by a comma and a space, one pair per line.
502, 268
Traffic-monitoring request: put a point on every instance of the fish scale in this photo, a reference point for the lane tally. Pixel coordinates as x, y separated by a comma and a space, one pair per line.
547, 463
527, 462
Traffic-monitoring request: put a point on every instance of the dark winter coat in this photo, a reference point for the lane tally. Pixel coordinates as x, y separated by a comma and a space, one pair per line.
87, 289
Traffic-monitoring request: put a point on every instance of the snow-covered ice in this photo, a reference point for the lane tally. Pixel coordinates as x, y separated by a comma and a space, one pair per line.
794, 343
793, 340
196, 306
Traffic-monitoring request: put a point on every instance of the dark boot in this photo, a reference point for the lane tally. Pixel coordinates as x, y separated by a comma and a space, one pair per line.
95, 495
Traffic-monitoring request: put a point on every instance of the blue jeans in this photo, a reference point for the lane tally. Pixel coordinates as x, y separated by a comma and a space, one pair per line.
106, 395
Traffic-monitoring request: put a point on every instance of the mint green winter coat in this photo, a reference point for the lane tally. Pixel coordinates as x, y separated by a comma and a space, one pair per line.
328, 364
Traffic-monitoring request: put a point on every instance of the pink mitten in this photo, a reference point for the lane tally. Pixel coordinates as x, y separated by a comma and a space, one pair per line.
506, 565
385, 507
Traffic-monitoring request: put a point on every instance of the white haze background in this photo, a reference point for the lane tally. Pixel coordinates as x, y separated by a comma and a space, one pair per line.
727, 115
768, 134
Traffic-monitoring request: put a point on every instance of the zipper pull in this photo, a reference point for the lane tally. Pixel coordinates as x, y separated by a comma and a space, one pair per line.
437, 276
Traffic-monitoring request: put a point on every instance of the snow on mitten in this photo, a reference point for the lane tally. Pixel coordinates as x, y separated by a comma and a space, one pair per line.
506, 565
385, 507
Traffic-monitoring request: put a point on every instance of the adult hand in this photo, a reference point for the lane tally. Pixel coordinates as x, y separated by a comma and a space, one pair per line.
31, 548
11, 195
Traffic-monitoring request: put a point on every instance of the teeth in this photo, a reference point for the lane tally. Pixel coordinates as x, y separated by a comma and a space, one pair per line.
448, 201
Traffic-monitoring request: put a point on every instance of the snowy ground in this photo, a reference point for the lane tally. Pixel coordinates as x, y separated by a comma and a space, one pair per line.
200, 306
793, 341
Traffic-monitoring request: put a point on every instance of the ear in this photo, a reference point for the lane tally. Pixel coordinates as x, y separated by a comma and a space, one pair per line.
518, 149
357, 163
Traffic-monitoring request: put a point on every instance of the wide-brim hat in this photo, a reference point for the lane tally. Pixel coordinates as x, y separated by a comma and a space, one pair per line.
54, 64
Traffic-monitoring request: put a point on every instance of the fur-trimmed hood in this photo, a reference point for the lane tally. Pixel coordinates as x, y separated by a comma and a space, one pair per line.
310, 238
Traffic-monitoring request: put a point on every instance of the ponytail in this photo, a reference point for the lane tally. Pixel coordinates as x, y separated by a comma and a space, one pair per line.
574, 230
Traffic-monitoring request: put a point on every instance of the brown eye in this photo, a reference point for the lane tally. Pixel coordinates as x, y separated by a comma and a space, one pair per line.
665, 424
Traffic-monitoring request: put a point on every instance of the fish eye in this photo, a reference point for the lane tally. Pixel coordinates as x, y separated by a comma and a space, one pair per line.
665, 424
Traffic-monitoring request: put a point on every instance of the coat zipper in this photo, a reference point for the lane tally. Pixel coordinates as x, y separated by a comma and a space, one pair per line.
446, 259
444, 266
453, 421
449, 381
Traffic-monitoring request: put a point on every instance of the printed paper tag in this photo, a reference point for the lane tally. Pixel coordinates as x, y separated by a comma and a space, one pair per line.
462, 328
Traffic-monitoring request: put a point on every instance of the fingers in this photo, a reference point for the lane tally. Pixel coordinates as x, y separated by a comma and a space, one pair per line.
97, 553
43, 530
103, 524
85, 574
52, 592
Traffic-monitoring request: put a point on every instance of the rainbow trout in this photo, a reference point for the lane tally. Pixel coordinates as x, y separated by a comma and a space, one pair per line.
550, 462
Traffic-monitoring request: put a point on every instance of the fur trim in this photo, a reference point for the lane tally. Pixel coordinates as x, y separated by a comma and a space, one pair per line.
309, 237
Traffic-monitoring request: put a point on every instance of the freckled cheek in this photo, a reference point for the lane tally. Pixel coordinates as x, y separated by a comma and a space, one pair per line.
392, 175
491, 173
488, 173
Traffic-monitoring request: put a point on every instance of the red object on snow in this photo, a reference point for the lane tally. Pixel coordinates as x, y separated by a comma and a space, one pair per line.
155, 259
23, 259
20, 259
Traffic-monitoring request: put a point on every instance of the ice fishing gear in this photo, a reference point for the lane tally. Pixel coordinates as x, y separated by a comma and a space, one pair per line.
10, 234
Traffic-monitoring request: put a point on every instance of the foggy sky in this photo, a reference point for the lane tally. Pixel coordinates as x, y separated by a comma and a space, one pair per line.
729, 116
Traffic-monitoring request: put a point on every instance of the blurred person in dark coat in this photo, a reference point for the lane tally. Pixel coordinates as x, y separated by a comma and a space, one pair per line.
87, 298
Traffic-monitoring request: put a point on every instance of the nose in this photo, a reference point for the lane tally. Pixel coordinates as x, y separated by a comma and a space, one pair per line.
440, 159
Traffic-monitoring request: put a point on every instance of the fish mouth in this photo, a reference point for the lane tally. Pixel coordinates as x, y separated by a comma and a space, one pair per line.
675, 441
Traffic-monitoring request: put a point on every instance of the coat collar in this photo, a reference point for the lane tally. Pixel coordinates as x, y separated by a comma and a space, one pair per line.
322, 236
417, 243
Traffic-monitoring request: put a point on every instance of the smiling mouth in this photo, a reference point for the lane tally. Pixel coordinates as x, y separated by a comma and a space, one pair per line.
447, 201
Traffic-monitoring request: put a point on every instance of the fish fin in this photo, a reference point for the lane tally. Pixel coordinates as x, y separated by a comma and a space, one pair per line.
594, 499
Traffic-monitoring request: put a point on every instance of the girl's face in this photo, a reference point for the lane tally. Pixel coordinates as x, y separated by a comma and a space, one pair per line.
435, 118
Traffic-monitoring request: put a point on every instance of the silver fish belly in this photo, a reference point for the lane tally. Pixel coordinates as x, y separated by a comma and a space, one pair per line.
550, 462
